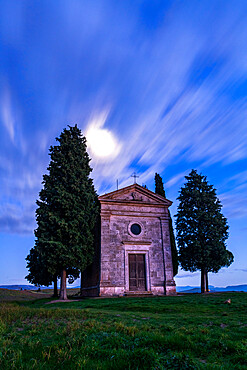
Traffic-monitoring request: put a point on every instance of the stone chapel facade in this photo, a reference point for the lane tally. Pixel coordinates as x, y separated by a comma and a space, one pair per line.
134, 256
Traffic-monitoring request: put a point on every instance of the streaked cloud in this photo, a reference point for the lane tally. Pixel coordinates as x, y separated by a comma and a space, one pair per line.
187, 275
167, 87
8, 119
241, 270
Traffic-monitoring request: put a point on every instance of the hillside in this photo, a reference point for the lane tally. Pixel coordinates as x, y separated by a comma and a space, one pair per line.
7, 295
189, 331
230, 288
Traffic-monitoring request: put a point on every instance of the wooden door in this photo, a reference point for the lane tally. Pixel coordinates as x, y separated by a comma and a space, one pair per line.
137, 272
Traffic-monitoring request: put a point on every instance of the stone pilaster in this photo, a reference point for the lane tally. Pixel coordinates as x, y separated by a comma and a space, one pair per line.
170, 286
104, 258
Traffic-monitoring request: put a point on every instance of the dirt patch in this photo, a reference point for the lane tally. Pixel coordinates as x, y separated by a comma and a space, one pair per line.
63, 301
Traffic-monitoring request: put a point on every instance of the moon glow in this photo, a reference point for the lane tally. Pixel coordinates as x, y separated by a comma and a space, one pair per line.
102, 142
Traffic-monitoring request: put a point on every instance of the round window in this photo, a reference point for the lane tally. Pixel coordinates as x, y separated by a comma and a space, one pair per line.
135, 229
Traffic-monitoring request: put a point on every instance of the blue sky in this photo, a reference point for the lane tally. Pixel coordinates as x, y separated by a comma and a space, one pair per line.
167, 80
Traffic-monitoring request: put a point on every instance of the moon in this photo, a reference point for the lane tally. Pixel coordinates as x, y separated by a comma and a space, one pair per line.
102, 142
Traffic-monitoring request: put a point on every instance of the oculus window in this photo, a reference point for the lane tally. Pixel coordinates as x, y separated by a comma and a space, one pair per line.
135, 229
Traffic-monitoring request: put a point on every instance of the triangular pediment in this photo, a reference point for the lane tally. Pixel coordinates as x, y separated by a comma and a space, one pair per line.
135, 193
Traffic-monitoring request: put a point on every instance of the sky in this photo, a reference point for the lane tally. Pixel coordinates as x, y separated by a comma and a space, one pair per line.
161, 85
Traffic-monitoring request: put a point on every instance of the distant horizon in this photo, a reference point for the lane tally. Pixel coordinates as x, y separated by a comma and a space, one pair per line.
75, 285
155, 86
78, 286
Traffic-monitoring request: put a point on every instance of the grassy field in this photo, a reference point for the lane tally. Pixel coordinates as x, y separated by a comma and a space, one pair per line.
7, 295
182, 332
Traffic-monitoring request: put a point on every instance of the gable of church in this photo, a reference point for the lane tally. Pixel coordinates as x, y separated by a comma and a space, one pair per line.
135, 194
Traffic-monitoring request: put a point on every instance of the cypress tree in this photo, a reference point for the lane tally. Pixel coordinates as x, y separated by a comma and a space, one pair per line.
201, 228
159, 189
67, 209
159, 186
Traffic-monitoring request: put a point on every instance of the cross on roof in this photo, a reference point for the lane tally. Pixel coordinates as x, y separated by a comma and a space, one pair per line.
135, 176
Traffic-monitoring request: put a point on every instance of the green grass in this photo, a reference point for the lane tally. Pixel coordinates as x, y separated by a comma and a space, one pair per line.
182, 332
7, 295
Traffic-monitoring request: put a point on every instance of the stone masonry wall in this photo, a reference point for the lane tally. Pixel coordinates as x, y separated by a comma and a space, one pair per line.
117, 241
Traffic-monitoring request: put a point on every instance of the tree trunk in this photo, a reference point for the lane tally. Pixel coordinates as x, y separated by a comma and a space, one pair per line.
55, 287
81, 285
63, 292
202, 280
206, 278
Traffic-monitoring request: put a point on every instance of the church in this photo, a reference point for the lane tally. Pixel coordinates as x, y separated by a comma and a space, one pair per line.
134, 255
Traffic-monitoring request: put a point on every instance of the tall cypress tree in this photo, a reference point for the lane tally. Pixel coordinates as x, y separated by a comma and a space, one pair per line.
159, 186
67, 209
159, 189
201, 228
